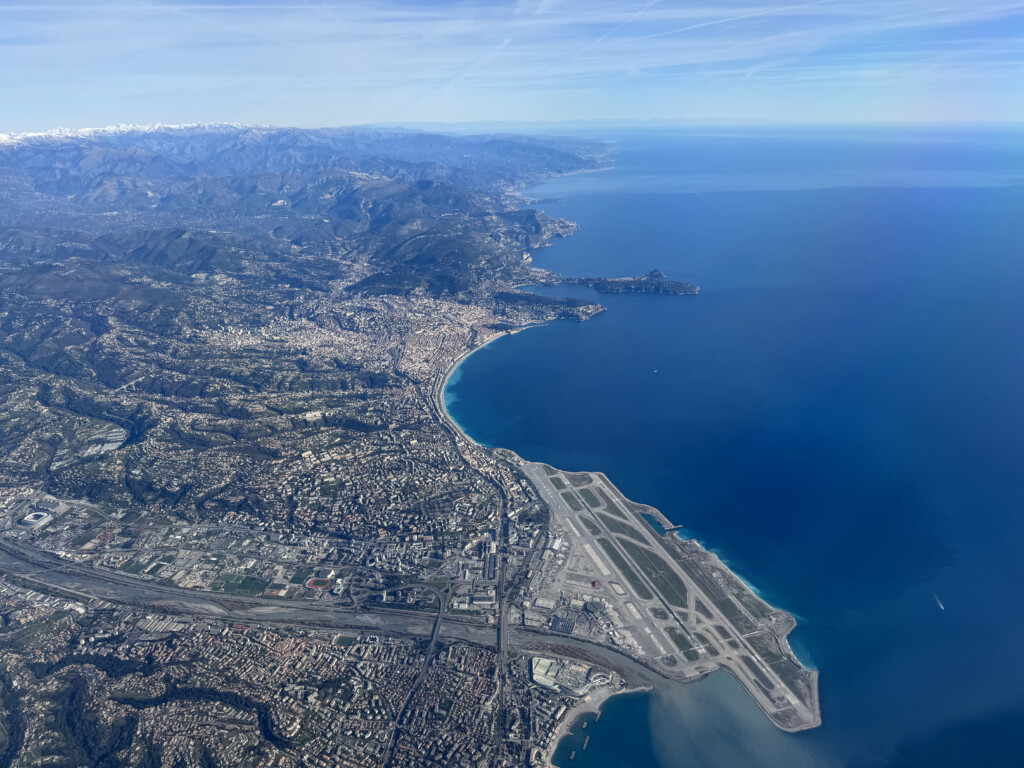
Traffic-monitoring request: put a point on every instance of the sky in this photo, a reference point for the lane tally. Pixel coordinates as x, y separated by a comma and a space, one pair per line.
340, 62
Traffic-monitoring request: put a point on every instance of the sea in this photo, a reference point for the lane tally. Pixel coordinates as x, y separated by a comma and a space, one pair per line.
839, 414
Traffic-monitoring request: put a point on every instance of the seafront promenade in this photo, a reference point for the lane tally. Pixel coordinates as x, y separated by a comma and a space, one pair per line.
612, 576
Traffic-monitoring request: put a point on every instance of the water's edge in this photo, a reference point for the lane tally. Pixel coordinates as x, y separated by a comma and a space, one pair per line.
593, 701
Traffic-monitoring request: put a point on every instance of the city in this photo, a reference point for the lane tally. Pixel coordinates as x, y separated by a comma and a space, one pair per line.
230, 487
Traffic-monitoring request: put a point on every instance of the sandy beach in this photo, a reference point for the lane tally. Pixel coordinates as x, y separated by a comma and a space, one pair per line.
589, 703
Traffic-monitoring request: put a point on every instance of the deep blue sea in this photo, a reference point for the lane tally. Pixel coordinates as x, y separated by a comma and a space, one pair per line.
839, 414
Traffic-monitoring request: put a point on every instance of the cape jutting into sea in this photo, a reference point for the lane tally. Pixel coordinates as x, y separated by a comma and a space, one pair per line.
838, 414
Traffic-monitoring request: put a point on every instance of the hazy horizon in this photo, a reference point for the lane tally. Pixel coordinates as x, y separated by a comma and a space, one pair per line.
339, 62
536, 128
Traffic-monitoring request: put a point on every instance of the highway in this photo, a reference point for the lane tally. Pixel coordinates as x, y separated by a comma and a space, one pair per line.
89, 583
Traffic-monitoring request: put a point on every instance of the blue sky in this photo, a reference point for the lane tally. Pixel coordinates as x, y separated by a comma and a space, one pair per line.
339, 62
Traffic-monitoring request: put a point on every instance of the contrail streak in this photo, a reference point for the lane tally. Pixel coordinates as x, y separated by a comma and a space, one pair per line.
731, 19
615, 29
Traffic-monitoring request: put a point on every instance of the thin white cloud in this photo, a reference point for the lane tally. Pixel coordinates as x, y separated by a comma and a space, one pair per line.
403, 60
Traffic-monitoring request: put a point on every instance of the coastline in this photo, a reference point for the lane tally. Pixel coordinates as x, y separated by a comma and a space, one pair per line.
590, 703
782, 623
442, 385
849, 708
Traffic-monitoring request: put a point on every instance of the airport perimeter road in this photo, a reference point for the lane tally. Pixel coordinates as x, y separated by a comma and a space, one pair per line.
684, 584
591, 537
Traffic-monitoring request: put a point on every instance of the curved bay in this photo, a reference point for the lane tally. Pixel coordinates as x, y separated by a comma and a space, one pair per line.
837, 414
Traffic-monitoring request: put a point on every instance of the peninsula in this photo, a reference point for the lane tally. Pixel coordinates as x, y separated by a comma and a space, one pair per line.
662, 600
653, 282
232, 501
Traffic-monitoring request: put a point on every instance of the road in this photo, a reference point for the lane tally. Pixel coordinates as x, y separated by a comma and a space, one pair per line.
88, 583
739, 655
442, 606
435, 402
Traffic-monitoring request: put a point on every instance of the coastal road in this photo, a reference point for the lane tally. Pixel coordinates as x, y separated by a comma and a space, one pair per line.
435, 404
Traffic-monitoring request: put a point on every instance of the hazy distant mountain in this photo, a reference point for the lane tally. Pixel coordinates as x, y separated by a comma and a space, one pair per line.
426, 211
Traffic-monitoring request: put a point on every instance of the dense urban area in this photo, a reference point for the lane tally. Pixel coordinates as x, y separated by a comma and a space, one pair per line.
237, 526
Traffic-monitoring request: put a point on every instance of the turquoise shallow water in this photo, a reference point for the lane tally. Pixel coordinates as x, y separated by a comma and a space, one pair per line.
838, 414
